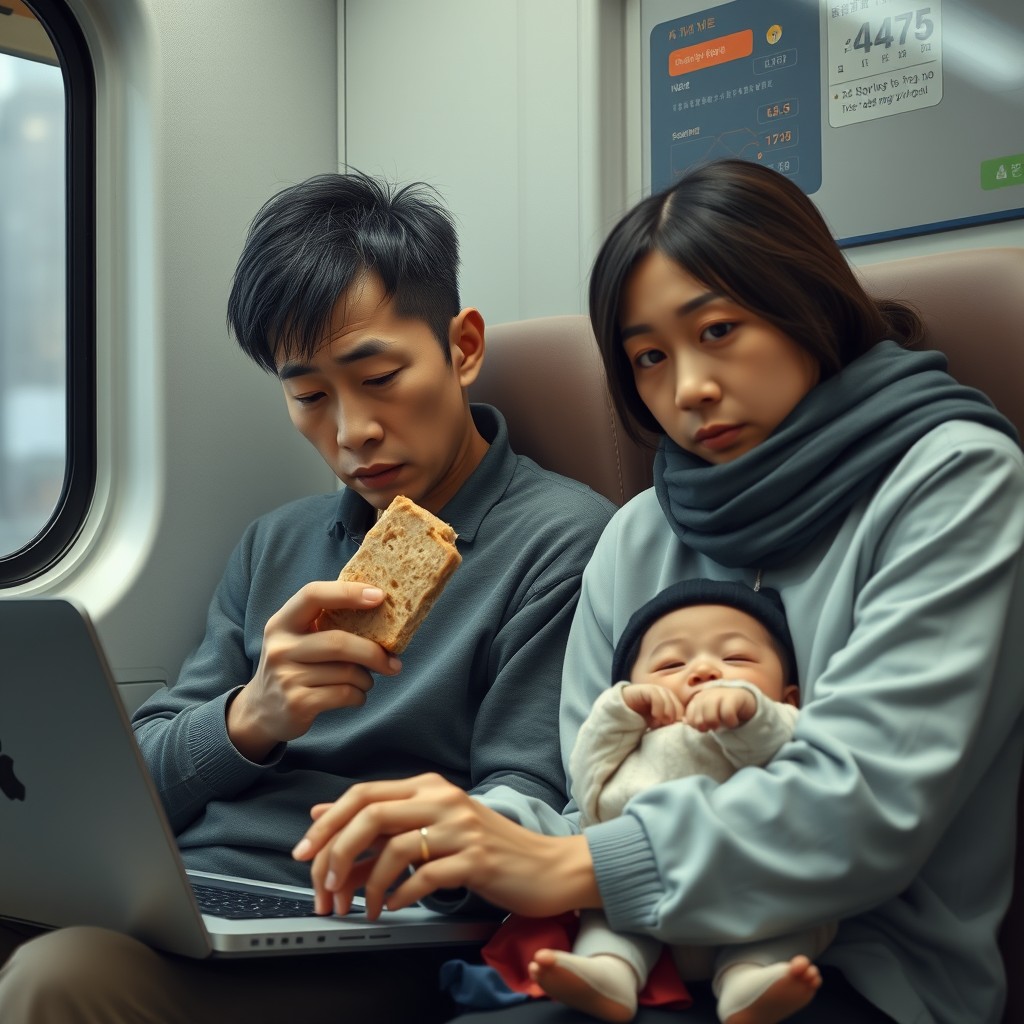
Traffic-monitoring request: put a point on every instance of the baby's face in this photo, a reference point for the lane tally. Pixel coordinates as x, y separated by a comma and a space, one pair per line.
700, 644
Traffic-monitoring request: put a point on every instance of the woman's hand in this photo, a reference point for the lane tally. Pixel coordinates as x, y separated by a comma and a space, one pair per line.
370, 837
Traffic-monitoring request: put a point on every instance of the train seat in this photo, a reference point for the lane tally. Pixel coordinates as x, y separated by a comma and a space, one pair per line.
972, 302
546, 376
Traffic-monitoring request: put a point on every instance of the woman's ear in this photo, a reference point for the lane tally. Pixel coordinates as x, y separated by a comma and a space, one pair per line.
466, 343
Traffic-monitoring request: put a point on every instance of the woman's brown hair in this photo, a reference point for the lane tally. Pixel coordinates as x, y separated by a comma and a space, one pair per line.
751, 234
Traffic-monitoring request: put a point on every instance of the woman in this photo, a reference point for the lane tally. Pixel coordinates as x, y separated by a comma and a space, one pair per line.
802, 446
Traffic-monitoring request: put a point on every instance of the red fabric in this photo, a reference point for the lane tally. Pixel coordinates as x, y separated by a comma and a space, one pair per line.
512, 946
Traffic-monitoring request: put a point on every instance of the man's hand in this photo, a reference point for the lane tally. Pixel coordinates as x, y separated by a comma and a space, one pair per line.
720, 707
302, 672
657, 705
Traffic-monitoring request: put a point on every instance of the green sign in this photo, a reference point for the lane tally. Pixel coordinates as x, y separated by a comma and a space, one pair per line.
1003, 171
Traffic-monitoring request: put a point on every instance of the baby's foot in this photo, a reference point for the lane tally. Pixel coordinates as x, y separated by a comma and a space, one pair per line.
784, 989
603, 986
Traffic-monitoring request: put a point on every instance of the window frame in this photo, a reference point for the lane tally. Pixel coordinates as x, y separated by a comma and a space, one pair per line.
72, 506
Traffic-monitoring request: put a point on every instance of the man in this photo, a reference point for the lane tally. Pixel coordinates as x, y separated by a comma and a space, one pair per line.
347, 290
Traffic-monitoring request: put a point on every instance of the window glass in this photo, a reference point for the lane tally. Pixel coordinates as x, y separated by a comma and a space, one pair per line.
41, 347
32, 314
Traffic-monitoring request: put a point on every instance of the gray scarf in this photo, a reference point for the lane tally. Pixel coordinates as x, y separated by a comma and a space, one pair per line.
769, 504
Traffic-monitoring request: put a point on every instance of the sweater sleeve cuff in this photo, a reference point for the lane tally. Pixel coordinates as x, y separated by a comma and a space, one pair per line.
626, 873
217, 761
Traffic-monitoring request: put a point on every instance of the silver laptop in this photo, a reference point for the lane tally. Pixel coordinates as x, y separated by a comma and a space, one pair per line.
83, 835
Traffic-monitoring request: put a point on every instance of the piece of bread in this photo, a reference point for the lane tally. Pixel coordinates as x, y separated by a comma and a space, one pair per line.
410, 554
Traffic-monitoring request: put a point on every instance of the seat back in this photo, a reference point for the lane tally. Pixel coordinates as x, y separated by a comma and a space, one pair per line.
972, 303
547, 378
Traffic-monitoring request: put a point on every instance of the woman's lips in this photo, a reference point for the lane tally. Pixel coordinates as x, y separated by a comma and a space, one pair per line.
718, 437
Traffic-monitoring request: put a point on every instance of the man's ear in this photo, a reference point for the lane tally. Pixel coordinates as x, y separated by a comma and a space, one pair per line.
466, 343
791, 695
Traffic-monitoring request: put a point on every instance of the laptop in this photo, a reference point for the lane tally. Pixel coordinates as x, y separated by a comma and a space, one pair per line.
84, 838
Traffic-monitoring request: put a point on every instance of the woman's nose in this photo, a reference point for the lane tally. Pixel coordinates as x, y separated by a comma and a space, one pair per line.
695, 384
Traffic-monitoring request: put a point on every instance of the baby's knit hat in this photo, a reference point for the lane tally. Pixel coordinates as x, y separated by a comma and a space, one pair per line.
765, 605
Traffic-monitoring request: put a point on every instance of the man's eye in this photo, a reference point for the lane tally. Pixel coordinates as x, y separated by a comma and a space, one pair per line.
308, 399
377, 382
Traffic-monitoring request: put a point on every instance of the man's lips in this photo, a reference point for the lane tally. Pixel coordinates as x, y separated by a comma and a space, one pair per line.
377, 474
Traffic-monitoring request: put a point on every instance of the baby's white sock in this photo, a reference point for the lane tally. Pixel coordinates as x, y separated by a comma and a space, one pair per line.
607, 975
740, 984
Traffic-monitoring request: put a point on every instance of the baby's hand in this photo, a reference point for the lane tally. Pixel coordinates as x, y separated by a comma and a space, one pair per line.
720, 707
657, 705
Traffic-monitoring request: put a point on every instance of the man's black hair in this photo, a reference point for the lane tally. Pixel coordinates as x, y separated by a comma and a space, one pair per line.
313, 240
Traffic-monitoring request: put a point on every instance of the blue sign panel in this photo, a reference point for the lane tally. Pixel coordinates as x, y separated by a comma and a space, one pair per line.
741, 80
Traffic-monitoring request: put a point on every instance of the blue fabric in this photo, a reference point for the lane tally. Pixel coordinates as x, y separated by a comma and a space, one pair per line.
477, 986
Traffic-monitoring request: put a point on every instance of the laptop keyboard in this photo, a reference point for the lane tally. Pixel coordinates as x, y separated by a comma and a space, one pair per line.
241, 906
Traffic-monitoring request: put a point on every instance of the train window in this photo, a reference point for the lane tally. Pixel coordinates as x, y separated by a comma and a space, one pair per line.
47, 289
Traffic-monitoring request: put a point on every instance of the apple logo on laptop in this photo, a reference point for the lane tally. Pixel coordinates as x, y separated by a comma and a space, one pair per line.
13, 788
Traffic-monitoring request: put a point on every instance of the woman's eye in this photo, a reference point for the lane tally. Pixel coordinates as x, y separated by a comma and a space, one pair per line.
378, 382
715, 332
649, 358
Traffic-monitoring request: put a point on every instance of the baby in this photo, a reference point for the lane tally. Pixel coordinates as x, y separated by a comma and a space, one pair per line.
709, 686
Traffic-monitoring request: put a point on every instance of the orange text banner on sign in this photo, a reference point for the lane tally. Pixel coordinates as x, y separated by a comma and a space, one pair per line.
714, 51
